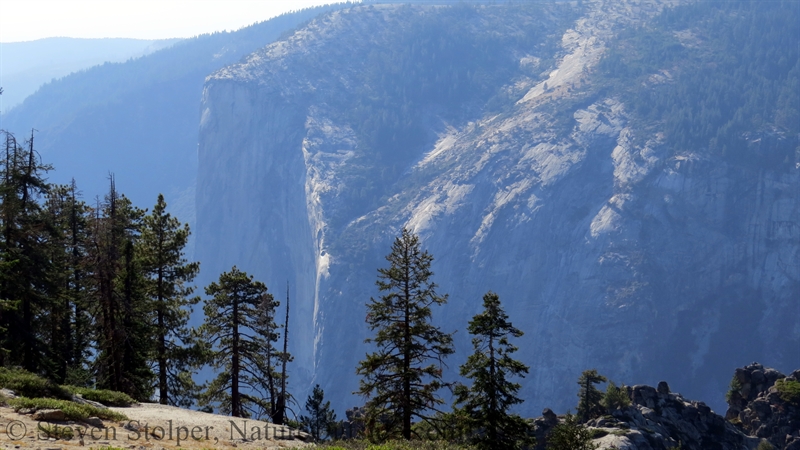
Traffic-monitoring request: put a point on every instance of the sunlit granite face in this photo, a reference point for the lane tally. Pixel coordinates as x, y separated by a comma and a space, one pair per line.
609, 252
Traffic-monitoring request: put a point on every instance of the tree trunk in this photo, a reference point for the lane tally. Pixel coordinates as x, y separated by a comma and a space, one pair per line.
236, 406
163, 389
163, 394
493, 413
407, 355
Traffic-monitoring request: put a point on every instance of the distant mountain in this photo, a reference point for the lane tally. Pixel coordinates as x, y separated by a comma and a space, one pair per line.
138, 118
28, 65
625, 175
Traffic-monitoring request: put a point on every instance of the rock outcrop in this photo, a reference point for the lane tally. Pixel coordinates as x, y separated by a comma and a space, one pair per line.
47, 415
765, 403
764, 406
657, 420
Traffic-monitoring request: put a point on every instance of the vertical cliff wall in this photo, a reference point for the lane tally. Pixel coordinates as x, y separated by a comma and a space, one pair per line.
488, 131
252, 190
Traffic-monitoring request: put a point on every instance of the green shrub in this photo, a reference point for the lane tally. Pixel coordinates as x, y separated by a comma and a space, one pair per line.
735, 386
26, 384
570, 435
765, 445
104, 396
597, 433
73, 411
789, 391
358, 444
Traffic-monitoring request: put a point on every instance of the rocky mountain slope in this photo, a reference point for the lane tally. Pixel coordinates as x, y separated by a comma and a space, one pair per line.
623, 232
660, 419
766, 404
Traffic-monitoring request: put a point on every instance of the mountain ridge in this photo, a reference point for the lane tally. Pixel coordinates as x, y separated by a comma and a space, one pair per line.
553, 198
31, 64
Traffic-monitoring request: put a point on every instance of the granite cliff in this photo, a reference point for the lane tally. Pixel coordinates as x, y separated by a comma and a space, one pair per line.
508, 139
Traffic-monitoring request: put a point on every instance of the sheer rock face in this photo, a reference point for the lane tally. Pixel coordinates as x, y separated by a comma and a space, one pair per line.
644, 262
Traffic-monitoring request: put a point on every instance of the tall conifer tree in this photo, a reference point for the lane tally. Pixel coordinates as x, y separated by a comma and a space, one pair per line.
58, 333
78, 285
167, 273
25, 256
321, 419
240, 329
486, 403
401, 377
121, 311
590, 404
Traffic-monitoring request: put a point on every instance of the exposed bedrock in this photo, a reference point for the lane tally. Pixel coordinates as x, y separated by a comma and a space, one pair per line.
643, 261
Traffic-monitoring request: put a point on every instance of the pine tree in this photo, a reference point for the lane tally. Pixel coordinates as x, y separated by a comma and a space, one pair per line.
25, 252
68, 334
590, 405
167, 271
616, 397
78, 283
239, 326
487, 401
119, 304
59, 269
401, 378
321, 419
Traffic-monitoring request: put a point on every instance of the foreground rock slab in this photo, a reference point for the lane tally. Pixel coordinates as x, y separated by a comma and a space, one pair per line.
149, 425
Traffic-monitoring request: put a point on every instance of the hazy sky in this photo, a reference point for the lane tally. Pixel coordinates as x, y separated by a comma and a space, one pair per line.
26, 20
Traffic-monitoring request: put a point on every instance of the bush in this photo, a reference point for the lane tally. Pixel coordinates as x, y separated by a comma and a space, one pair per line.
73, 411
789, 391
26, 384
597, 433
104, 396
765, 445
734, 388
570, 435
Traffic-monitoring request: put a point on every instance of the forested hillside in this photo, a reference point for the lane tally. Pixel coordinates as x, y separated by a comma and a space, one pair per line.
138, 118
714, 77
29, 65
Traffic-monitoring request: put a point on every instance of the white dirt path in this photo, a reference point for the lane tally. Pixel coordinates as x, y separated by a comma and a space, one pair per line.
151, 427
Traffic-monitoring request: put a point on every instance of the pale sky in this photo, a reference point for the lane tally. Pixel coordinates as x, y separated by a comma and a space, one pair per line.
26, 20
